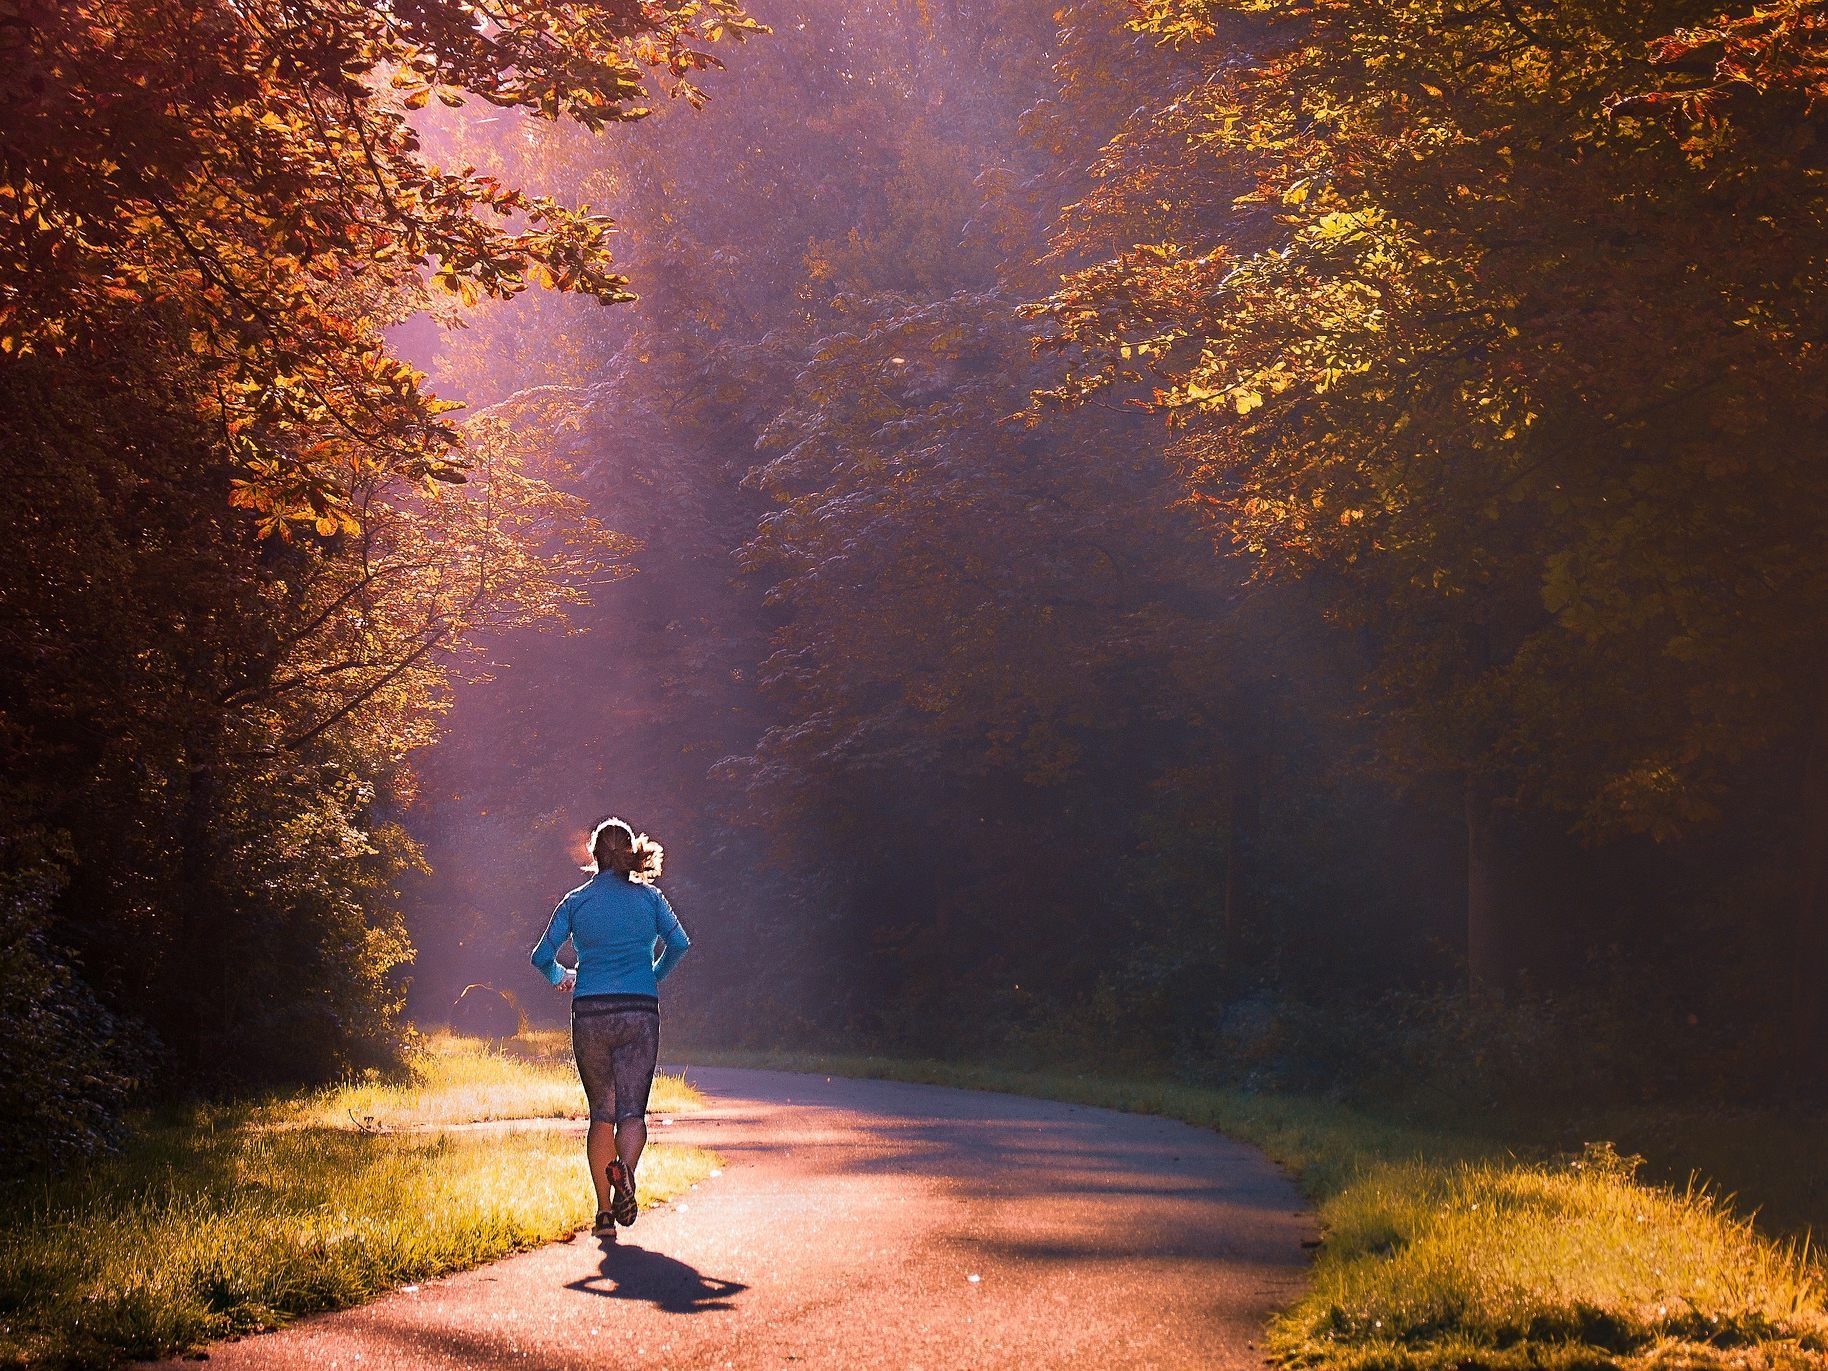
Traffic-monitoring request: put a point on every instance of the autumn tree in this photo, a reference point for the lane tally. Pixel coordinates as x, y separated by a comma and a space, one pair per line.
253, 550
1439, 317
218, 723
249, 174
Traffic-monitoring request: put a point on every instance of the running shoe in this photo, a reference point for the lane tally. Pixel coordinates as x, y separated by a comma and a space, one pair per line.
622, 1187
605, 1226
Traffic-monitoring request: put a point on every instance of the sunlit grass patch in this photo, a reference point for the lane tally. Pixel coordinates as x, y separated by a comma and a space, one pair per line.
1579, 1264
452, 1080
220, 1223
541, 1044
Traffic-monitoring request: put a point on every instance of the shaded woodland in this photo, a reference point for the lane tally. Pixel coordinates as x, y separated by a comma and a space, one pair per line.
1279, 539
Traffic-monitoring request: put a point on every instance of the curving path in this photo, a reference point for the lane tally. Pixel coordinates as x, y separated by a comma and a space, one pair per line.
880, 1225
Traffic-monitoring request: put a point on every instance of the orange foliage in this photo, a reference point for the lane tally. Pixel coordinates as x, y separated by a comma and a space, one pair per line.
247, 174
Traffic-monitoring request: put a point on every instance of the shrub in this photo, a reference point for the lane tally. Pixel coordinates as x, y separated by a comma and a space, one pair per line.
67, 1066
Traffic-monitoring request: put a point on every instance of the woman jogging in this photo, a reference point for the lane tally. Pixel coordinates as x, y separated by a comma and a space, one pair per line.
614, 921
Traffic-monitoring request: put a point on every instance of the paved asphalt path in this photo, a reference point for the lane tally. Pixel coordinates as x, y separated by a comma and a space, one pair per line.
880, 1225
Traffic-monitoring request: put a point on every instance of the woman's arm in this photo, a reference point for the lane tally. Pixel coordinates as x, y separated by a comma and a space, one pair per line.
667, 929
546, 951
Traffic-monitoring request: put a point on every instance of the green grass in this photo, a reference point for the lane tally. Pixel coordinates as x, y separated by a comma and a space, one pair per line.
1542, 1264
222, 1221
465, 1080
1445, 1251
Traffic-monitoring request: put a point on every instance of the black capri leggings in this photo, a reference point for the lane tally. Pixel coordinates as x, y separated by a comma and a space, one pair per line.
616, 1044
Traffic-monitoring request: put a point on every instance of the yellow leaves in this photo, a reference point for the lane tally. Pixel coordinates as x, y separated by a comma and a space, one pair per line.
1323, 112
1338, 226
1246, 400
453, 282
1172, 23
341, 520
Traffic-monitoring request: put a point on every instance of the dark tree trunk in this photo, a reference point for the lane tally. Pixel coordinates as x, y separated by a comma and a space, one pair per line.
1529, 896
1489, 897
1808, 950
1243, 821
196, 1011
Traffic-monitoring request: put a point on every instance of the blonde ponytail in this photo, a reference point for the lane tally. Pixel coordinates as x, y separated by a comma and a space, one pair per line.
614, 846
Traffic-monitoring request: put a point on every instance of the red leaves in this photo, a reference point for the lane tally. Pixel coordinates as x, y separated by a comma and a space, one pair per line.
237, 171
1772, 49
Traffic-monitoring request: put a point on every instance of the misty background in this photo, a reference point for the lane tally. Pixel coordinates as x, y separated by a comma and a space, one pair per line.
965, 731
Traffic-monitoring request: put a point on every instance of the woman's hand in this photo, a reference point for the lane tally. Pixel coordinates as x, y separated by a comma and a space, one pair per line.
567, 981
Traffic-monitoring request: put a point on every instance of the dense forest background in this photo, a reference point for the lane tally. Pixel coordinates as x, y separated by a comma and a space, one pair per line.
1164, 526
1281, 540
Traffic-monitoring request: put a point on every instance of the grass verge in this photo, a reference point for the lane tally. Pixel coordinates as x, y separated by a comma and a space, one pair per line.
1443, 1250
468, 1080
223, 1221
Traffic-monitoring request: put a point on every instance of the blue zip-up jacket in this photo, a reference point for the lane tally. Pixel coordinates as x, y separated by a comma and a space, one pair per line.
614, 924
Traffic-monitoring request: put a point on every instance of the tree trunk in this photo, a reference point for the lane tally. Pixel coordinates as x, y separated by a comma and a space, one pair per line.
1244, 812
1488, 895
1808, 989
197, 1006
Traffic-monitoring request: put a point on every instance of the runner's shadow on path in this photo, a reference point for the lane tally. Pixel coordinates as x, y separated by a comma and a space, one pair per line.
628, 1272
